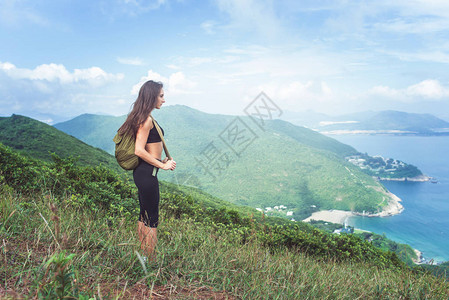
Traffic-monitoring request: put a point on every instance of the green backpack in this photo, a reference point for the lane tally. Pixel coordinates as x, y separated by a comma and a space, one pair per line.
124, 151
125, 148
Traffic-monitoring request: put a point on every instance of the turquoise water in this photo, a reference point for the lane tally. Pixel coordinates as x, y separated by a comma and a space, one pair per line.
424, 224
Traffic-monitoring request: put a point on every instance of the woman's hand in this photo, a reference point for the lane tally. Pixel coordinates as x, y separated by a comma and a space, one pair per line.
169, 164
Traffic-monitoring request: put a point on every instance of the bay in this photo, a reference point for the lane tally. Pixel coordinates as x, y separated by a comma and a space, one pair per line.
424, 224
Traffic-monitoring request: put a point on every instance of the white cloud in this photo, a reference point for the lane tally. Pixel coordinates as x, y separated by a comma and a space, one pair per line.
52, 89
175, 84
397, 15
57, 73
296, 94
430, 55
438, 8
252, 15
428, 89
16, 13
416, 26
385, 91
145, 4
134, 61
208, 27
173, 66
130, 7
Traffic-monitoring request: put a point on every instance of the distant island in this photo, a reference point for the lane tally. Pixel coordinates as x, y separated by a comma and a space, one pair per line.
387, 168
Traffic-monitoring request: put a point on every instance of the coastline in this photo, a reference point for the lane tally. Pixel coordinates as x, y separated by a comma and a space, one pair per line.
341, 216
420, 260
394, 207
420, 178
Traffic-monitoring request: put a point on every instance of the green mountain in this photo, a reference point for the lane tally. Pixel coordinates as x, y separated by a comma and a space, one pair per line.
235, 159
38, 140
87, 127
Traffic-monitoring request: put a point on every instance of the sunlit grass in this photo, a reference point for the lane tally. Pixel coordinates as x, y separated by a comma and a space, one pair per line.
190, 256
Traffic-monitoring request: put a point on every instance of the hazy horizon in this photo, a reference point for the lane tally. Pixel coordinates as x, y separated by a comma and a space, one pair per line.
58, 119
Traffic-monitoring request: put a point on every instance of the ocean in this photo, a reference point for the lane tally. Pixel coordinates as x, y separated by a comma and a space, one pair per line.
424, 224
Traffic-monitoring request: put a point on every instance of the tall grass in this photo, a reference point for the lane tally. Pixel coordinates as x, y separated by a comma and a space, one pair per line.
193, 260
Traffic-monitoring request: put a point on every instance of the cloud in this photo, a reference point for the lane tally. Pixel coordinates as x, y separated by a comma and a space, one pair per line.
298, 94
439, 8
16, 13
133, 61
386, 91
130, 7
144, 4
252, 16
428, 89
175, 84
428, 55
414, 26
57, 73
51, 88
208, 27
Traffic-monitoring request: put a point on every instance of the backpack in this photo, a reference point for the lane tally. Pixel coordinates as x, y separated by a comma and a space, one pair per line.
125, 147
124, 151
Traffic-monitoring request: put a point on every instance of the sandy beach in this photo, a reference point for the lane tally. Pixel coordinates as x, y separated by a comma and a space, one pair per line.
333, 216
393, 207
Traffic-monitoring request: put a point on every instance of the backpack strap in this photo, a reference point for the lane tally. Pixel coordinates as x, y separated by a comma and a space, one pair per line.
162, 138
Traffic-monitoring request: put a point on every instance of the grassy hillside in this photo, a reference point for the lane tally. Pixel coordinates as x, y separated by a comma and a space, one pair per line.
38, 139
99, 188
70, 232
283, 165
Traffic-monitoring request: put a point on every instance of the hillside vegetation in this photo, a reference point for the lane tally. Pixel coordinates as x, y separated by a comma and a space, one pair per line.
39, 140
278, 164
72, 229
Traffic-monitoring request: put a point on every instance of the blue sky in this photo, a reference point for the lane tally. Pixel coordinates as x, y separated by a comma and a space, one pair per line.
59, 59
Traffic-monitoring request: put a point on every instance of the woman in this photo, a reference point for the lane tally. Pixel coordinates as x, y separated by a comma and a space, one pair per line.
149, 150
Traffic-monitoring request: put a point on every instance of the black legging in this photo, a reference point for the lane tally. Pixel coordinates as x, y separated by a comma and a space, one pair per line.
148, 187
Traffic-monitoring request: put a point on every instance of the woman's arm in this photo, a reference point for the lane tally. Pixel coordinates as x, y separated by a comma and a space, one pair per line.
141, 140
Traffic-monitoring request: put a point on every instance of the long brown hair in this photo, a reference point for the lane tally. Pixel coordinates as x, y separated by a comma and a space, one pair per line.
142, 107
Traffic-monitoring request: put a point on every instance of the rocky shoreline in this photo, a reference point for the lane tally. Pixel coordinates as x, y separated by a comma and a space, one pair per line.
394, 207
420, 260
420, 178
